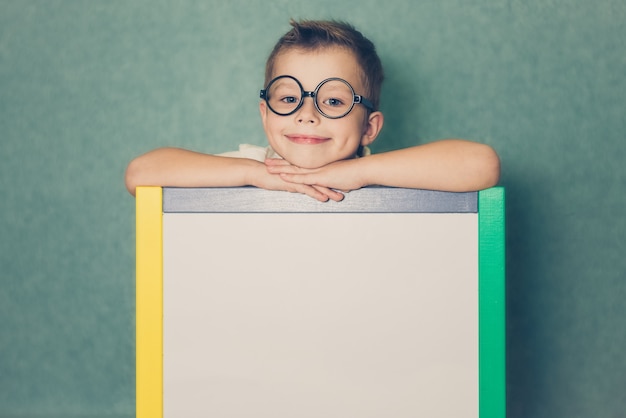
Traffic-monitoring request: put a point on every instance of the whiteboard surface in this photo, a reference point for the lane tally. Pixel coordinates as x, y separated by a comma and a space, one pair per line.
320, 315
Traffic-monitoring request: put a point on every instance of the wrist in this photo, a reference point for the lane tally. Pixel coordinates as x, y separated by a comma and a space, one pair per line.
253, 172
364, 167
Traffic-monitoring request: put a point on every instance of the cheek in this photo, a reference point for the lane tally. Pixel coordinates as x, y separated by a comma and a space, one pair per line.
356, 128
270, 124
357, 121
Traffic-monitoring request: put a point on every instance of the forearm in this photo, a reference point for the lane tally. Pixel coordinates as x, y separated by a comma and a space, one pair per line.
182, 168
449, 165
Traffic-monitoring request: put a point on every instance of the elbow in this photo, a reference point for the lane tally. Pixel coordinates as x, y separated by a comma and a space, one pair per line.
146, 170
489, 167
132, 175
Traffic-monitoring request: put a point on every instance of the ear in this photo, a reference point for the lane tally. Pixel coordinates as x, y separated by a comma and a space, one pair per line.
373, 125
263, 110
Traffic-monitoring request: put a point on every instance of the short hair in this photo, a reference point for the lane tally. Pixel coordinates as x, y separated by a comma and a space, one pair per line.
311, 35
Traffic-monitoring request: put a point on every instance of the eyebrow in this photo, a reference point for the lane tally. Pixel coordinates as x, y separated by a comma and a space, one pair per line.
283, 83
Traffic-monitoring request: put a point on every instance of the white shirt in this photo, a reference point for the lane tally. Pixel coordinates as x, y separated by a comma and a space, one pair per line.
255, 152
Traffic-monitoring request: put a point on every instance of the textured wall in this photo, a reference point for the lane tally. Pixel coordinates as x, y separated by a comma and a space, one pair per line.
85, 86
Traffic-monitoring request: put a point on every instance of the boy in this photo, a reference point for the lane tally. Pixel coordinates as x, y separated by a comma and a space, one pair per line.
320, 112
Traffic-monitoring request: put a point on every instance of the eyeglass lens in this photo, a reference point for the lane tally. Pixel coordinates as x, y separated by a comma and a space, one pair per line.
333, 98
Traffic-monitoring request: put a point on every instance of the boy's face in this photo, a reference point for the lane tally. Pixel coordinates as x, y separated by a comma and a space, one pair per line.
306, 138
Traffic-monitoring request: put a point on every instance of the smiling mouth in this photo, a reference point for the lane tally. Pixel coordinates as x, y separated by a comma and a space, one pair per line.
307, 139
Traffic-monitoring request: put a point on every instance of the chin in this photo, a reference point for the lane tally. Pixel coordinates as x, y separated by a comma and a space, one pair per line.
305, 160
306, 163
311, 158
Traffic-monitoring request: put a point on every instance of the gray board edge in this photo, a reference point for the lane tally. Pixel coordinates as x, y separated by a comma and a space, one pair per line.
373, 199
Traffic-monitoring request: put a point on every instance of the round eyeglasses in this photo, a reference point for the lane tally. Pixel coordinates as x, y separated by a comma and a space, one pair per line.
334, 98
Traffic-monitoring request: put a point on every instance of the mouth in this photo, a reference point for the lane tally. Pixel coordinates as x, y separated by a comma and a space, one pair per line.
307, 139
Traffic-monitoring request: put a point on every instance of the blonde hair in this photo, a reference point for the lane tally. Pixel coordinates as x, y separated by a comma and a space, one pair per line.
310, 35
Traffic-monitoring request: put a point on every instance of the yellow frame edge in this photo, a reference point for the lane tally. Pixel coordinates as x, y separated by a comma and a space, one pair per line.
149, 303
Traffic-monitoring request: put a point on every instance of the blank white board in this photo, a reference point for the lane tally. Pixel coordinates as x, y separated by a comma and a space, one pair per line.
287, 315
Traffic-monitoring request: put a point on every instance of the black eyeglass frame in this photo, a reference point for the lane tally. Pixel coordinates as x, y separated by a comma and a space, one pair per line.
356, 98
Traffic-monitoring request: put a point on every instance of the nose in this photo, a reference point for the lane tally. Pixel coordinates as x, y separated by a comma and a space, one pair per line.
307, 112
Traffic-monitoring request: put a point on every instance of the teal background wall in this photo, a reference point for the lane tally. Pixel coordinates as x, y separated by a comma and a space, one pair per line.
87, 85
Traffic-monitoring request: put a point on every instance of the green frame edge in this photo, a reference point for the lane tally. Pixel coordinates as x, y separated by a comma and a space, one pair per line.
492, 303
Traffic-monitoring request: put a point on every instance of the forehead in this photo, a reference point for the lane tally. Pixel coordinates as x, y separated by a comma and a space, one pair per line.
311, 67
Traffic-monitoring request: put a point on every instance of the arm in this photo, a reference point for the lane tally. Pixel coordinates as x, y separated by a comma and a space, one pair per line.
450, 165
182, 168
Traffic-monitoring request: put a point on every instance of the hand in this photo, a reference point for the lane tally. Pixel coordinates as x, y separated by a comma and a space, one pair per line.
340, 175
270, 181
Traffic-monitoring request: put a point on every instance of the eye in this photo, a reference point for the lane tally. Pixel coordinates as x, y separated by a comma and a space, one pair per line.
289, 99
333, 102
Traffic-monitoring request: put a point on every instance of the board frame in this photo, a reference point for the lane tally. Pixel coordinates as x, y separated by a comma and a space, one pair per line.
152, 202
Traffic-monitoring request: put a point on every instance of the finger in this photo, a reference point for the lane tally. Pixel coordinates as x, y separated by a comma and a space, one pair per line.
309, 180
282, 169
276, 162
297, 178
332, 194
314, 193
